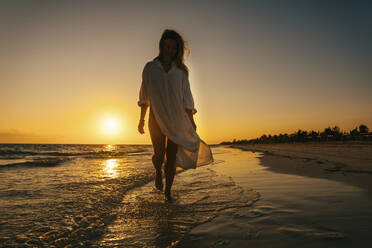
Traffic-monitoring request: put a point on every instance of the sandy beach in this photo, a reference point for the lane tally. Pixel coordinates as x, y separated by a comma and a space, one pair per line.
253, 199
306, 198
346, 162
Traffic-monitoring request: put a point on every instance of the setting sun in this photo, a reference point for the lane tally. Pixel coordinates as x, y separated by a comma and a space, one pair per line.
111, 125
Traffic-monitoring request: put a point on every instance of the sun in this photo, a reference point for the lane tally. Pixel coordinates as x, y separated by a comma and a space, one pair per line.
111, 125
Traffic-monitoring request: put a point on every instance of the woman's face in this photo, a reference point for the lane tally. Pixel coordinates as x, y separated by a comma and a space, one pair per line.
169, 49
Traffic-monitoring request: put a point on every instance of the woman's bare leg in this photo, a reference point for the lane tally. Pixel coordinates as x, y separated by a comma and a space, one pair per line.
170, 168
158, 143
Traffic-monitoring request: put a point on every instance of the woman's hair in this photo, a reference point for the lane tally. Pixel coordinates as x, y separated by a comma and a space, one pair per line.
181, 48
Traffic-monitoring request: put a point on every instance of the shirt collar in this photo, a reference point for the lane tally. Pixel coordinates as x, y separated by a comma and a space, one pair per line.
157, 61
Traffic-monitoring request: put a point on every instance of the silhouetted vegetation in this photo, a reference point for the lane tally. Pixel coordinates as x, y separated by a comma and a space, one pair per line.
328, 134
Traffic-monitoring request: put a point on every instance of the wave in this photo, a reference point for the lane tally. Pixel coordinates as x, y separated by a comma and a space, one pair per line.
66, 210
49, 155
45, 162
5, 153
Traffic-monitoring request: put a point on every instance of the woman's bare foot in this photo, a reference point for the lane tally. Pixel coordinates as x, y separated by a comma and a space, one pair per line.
159, 180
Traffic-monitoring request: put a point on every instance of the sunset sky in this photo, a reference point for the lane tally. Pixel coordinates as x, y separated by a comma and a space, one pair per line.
70, 71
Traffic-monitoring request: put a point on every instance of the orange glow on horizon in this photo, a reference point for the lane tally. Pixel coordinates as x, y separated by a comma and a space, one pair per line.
73, 77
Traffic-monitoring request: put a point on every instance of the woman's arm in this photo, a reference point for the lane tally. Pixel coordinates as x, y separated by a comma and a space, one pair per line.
144, 100
143, 112
141, 123
191, 117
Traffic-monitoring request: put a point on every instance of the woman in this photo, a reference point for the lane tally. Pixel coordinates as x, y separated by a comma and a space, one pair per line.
165, 89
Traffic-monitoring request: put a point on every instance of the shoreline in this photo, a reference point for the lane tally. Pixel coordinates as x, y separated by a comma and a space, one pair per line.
350, 163
292, 211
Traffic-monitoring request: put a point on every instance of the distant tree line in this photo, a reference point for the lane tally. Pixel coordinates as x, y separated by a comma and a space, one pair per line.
328, 134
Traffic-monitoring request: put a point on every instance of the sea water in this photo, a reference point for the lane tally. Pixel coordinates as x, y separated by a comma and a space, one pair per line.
102, 196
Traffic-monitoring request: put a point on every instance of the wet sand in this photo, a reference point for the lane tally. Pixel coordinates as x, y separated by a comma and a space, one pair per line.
145, 219
295, 209
350, 163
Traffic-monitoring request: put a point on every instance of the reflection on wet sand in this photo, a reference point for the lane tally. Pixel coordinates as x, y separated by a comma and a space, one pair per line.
293, 211
147, 220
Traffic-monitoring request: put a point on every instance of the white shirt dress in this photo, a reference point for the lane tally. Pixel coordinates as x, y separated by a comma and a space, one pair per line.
169, 95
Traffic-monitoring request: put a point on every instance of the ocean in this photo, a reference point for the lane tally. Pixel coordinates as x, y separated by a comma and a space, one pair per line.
58, 195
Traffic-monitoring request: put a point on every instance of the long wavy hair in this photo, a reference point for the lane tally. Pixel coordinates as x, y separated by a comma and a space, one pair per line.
181, 48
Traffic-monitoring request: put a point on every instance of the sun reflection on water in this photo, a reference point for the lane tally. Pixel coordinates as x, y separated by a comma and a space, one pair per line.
109, 147
110, 168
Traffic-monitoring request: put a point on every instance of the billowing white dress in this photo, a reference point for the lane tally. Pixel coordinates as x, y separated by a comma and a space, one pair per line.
169, 95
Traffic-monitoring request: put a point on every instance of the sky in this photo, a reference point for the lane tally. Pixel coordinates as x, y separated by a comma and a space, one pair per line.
70, 71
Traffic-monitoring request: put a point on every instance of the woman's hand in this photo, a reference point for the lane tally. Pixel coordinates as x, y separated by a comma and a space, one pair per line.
194, 125
191, 117
141, 124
